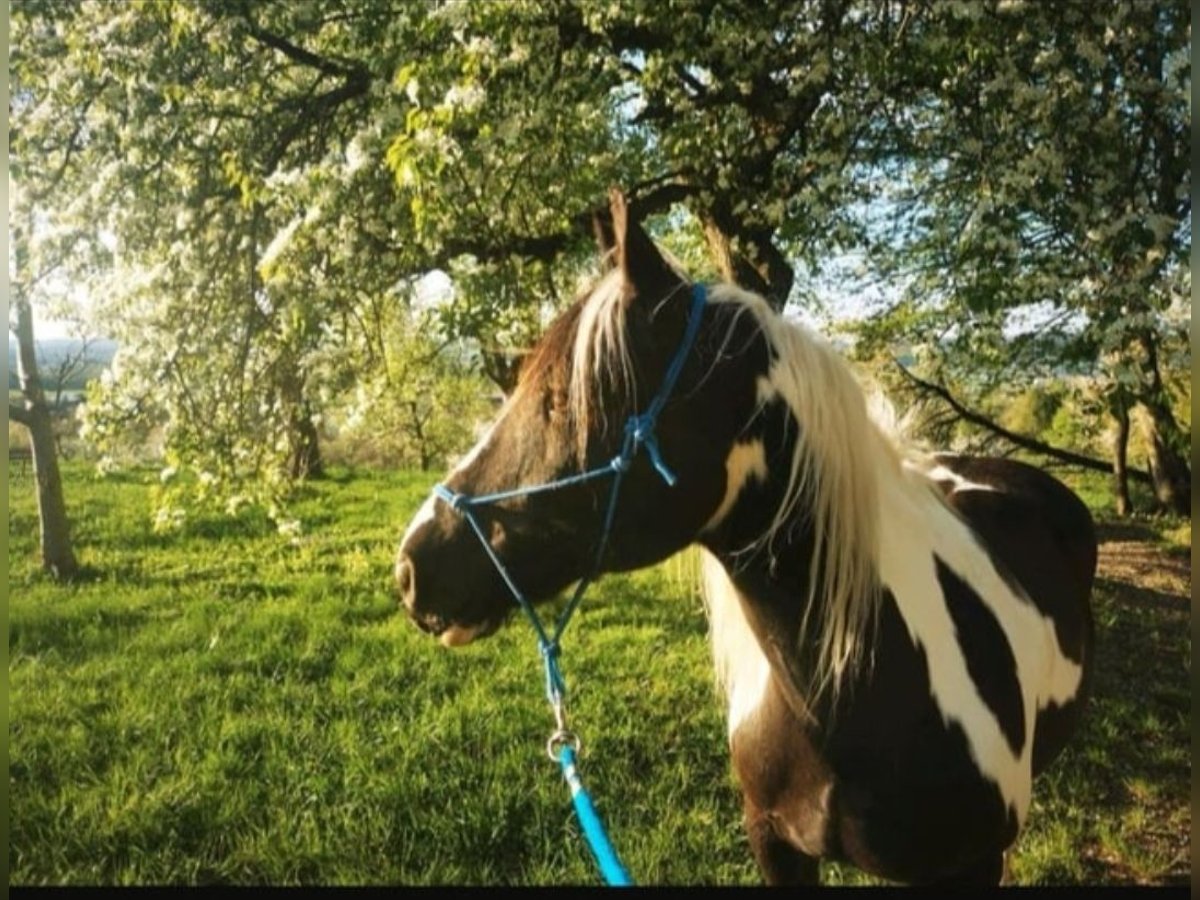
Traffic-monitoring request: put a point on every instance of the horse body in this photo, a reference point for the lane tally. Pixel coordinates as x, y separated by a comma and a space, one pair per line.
922, 770
904, 641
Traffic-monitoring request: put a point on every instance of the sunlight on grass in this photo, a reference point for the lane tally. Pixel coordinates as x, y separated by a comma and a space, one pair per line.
231, 706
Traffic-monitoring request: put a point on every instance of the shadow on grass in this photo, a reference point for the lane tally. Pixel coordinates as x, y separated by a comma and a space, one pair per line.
74, 637
1124, 531
1126, 777
1143, 598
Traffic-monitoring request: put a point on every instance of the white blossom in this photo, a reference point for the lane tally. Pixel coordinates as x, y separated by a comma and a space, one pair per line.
467, 97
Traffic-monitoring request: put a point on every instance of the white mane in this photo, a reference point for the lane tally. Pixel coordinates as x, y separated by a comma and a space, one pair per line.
844, 450
601, 352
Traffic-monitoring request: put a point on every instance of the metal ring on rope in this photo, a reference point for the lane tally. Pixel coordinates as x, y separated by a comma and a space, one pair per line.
558, 740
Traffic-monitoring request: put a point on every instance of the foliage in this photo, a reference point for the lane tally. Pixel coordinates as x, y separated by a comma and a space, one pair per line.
1032, 411
420, 407
267, 173
1040, 212
245, 184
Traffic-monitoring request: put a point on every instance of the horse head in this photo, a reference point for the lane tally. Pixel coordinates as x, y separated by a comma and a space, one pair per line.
597, 365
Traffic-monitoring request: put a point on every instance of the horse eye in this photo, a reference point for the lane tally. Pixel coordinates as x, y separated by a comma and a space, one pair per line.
554, 402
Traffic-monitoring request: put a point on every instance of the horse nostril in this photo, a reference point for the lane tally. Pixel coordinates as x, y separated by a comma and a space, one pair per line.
405, 582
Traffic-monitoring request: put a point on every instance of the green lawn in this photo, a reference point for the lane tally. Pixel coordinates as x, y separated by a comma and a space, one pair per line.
232, 705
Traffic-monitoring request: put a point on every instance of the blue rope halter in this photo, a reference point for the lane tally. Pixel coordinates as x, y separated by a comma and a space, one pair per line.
639, 432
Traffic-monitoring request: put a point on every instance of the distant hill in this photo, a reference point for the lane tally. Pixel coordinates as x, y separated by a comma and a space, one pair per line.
52, 353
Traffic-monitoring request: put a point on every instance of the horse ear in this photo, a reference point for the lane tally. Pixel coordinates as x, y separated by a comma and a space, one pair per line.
646, 271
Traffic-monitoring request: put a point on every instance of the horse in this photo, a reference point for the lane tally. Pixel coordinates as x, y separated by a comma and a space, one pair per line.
904, 639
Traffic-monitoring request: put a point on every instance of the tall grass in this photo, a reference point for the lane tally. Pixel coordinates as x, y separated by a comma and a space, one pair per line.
229, 705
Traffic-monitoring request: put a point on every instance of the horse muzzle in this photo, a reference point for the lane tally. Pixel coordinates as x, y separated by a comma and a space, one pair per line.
450, 632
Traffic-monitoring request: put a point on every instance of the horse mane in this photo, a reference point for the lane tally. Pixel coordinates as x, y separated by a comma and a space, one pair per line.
847, 445
600, 353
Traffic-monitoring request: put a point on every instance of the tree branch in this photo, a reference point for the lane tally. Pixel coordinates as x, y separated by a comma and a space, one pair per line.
546, 247
315, 111
1020, 440
300, 55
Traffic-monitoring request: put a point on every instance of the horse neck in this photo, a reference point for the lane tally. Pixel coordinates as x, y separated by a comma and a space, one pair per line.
756, 593
771, 583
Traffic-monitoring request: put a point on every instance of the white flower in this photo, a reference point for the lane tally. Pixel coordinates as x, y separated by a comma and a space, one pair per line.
289, 527
169, 518
482, 45
467, 97
356, 156
235, 503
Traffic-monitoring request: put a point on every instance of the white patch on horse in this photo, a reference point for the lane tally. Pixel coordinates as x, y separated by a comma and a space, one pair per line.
941, 473
1045, 672
423, 515
742, 669
473, 454
429, 507
458, 635
915, 526
746, 460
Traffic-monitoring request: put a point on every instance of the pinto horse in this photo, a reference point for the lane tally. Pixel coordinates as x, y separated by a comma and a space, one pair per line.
904, 640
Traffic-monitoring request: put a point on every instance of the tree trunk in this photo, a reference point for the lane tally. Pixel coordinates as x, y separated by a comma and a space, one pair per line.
1119, 406
304, 446
757, 265
1168, 467
305, 457
58, 557
1168, 445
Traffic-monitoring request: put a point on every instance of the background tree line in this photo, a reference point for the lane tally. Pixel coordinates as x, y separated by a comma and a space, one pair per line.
254, 194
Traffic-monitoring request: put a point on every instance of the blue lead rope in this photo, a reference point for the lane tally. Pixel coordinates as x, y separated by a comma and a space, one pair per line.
593, 829
639, 432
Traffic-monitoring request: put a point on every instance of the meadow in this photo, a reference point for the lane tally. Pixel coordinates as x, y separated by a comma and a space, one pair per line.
227, 704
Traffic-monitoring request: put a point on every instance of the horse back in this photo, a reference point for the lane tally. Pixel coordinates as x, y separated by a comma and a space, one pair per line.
1042, 537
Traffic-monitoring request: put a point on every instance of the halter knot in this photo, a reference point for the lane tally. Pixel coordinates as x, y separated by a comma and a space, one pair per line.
458, 502
639, 432
620, 463
640, 427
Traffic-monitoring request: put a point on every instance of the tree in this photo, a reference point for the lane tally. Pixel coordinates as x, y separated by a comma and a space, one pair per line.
275, 173
54, 531
270, 171
1045, 173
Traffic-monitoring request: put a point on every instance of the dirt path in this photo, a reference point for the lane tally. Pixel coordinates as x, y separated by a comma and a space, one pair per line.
1144, 656
1152, 574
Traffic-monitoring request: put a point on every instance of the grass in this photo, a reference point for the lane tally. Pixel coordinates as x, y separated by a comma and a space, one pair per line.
228, 705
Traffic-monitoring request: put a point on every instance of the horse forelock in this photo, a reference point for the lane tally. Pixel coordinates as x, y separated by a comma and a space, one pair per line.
602, 367
600, 356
